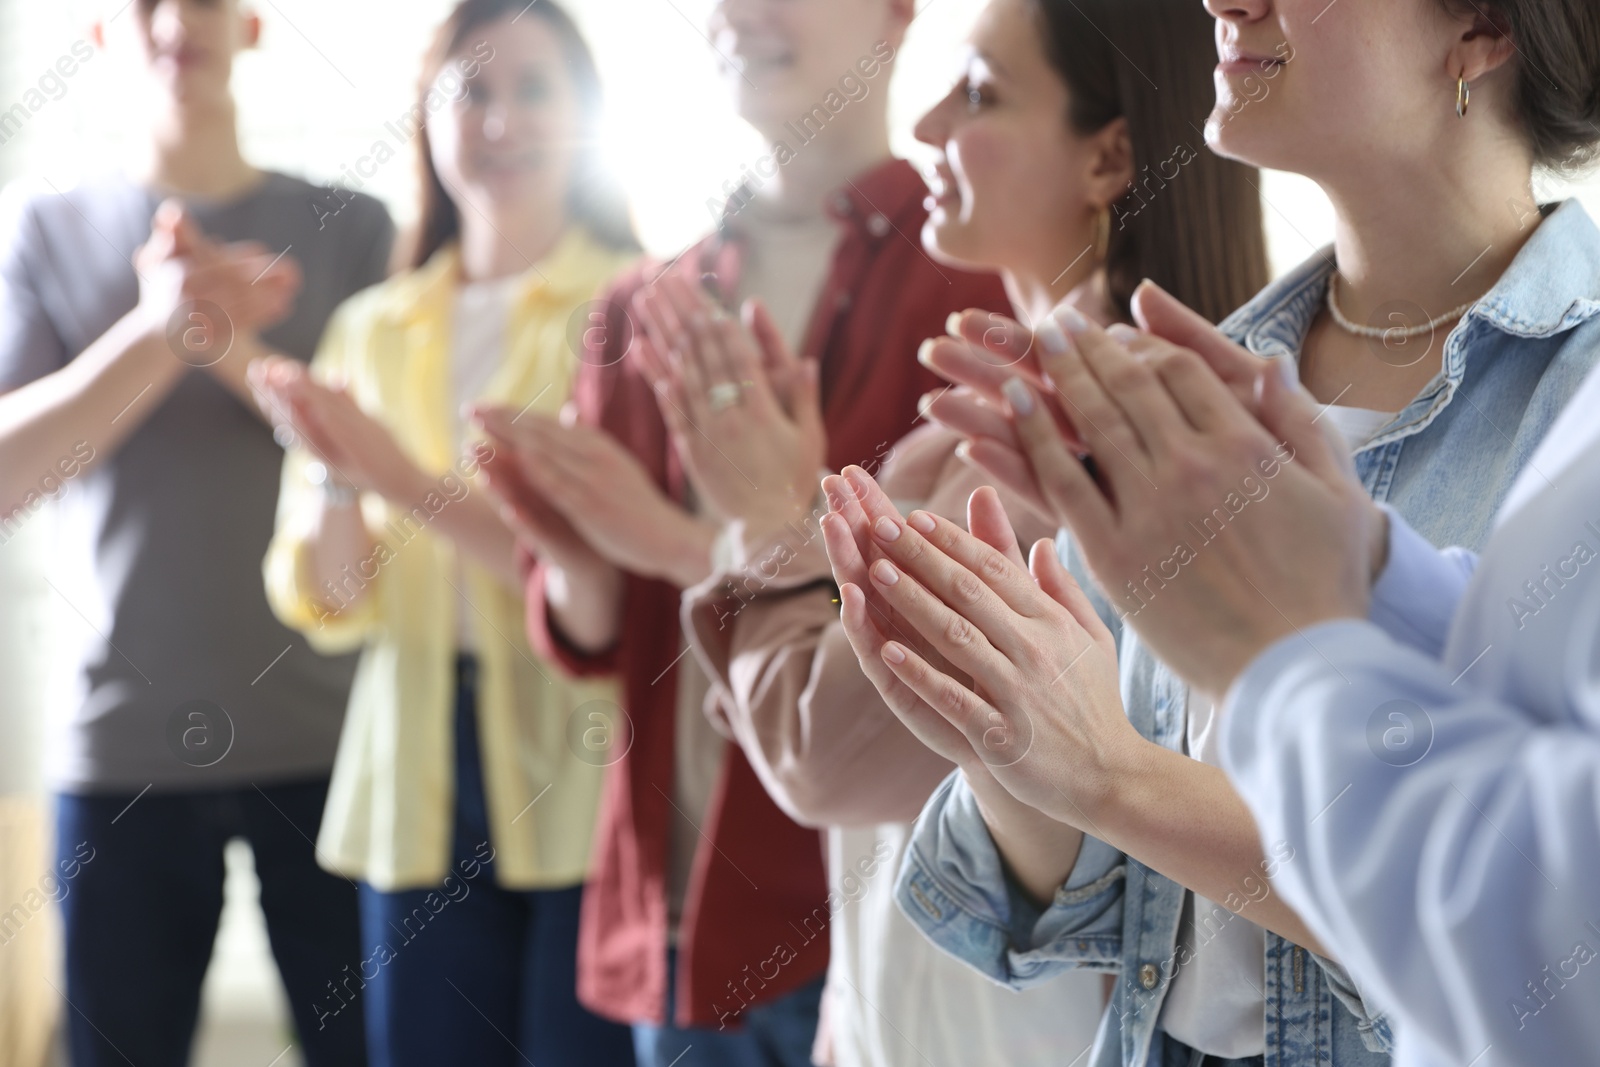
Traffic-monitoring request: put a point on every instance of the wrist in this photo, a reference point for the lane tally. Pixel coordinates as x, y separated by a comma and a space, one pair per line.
689, 558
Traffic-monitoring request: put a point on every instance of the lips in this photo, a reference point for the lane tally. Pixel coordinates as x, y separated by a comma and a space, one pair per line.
1235, 60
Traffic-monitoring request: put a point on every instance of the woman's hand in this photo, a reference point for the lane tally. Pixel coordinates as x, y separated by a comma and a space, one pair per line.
358, 449
743, 410
1216, 533
603, 494
1041, 713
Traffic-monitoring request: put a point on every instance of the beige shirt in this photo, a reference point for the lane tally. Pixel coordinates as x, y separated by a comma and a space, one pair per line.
830, 752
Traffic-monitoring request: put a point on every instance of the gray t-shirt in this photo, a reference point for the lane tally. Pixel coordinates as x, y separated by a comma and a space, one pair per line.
184, 679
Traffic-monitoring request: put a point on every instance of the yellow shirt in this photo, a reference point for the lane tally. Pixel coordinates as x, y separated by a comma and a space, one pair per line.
391, 803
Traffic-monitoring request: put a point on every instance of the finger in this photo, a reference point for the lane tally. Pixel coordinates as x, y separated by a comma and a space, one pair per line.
1010, 469
745, 366
1206, 402
867, 641
988, 522
998, 340
1073, 495
1164, 315
954, 702
1056, 582
968, 414
1290, 416
1118, 450
846, 504
1134, 387
964, 363
779, 358
972, 577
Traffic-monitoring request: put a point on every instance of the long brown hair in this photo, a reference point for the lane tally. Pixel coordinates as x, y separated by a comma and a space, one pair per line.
594, 200
1190, 220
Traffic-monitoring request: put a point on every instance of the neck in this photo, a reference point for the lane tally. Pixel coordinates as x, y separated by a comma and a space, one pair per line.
195, 151
856, 140
1437, 234
505, 242
1034, 295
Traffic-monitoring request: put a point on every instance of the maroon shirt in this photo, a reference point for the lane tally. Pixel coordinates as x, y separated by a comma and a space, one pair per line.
754, 925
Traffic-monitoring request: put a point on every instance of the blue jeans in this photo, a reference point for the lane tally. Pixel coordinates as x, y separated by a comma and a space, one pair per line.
477, 974
776, 1034
140, 913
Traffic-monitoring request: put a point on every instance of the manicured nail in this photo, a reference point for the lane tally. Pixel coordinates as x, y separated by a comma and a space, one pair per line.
924, 402
1018, 396
894, 653
952, 325
887, 530
1070, 319
921, 522
1050, 337
925, 353
1121, 331
885, 573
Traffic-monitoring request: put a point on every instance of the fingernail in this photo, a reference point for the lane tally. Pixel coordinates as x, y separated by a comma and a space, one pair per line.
894, 653
1070, 319
1018, 396
1122, 332
885, 573
925, 352
887, 530
1050, 337
964, 451
921, 522
952, 325
924, 402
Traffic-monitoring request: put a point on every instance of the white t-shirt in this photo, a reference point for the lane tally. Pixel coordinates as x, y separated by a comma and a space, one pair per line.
478, 347
895, 1000
1357, 425
1215, 1002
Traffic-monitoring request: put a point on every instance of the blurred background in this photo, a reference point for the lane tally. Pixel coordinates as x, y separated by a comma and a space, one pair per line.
314, 99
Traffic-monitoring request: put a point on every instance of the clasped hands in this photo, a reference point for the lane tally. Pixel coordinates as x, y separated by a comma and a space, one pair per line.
1217, 517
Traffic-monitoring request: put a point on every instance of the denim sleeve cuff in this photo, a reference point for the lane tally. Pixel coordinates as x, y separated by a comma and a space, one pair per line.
1415, 598
953, 888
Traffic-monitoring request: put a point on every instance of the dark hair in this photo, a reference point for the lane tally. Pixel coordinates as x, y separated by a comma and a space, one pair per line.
1190, 220
595, 200
1557, 97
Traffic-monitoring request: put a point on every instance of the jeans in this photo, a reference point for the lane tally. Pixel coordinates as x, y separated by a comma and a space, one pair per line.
477, 974
141, 907
778, 1033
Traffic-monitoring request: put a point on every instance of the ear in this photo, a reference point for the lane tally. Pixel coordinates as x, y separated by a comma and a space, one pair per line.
1485, 45
1110, 162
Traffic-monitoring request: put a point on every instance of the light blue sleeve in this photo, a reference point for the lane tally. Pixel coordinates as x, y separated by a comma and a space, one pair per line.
1415, 598
1456, 881
954, 888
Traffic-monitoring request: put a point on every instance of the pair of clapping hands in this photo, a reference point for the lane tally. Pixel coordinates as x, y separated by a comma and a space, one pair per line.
988, 659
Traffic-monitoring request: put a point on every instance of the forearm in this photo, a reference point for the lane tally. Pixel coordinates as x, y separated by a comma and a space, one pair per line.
1182, 818
230, 372
1038, 851
584, 602
337, 544
85, 410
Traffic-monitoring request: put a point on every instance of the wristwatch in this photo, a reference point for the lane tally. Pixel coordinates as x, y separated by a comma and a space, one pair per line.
335, 490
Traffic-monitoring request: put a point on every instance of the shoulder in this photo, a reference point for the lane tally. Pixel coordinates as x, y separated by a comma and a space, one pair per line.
32, 208
355, 213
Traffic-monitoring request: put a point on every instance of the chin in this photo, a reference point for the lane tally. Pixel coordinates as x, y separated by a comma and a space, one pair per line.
953, 243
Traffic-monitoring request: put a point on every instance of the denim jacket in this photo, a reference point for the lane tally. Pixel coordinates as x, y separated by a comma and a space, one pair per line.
1445, 463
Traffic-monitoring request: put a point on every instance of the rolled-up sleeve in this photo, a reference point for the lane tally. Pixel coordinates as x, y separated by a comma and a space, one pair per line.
1415, 597
953, 887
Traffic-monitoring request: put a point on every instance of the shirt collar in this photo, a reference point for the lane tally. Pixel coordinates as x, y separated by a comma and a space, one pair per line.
874, 203
565, 273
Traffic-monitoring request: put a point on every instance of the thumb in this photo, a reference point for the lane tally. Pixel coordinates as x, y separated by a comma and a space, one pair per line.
808, 400
1164, 315
1059, 585
988, 522
1289, 414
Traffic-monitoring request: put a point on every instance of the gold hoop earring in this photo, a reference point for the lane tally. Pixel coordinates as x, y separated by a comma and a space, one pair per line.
1102, 235
1463, 97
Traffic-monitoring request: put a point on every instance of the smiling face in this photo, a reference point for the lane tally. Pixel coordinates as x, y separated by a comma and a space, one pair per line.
1308, 87
509, 132
186, 46
1013, 186
781, 58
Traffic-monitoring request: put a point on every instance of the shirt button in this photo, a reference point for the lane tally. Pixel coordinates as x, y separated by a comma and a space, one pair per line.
1148, 976
878, 225
842, 302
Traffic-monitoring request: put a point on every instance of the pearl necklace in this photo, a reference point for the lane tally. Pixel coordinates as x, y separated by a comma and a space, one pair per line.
1387, 333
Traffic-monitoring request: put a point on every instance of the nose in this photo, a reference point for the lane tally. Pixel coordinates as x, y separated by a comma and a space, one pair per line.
1239, 11
934, 127
495, 121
